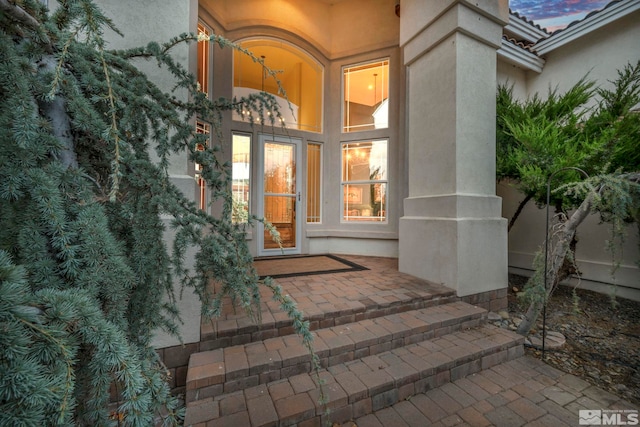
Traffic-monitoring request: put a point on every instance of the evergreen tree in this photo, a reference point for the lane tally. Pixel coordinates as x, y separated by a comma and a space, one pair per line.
587, 127
85, 275
595, 130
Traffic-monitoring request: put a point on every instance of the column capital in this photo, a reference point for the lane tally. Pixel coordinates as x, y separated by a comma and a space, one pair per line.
426, 23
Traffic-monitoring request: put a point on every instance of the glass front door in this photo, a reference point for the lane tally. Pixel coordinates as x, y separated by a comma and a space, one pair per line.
280, 194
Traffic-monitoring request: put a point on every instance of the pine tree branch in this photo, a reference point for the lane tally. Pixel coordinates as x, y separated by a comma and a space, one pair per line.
633, 177
60, 344
146, 53
22, 17
19, 14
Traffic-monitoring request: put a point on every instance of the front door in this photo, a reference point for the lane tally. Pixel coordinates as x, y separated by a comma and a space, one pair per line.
280, 194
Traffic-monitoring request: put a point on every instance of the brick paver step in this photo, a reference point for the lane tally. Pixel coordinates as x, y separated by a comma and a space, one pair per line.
325, 305
358, 387
238, 367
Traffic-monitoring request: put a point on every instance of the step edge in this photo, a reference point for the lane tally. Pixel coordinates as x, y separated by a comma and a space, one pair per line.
483, 359
446, 296
479, 315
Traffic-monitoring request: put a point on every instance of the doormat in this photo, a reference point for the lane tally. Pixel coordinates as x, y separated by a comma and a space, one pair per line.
305, 265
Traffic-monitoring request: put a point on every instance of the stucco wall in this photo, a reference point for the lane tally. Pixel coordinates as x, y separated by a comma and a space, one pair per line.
160, 20
514, 77
600, 54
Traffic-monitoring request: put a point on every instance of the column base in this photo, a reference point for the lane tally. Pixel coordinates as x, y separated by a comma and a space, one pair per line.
468, 255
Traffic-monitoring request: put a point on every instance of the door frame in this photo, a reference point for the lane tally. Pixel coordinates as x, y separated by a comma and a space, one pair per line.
297, 143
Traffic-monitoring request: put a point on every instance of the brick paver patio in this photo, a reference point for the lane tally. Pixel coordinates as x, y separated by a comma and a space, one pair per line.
395, 351
521, 392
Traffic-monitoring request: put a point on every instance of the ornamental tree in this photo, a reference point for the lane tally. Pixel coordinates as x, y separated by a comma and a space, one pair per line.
86, 276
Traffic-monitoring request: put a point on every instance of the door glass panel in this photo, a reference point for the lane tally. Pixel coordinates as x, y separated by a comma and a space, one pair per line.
241, 177
282, 211
280, 193
204, 129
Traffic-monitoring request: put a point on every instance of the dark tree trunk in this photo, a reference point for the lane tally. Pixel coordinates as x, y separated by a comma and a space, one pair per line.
55, 112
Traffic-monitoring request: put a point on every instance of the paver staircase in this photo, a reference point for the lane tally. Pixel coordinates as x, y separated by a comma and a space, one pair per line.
373, 357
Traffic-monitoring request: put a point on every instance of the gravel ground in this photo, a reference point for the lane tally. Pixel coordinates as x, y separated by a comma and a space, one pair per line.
602, 341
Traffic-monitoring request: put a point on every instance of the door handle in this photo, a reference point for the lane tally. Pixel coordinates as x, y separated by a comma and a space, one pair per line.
298, 196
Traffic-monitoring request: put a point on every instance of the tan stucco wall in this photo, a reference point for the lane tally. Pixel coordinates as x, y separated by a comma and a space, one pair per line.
514, 77
600, 53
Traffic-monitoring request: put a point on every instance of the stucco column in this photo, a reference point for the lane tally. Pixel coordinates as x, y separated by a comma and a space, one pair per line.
452, 231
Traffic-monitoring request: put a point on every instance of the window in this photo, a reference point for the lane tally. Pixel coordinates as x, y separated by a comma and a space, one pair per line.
299, 74
202, 78
314, 177
364, 180
201, 128
366, 96
241, 176
204, 55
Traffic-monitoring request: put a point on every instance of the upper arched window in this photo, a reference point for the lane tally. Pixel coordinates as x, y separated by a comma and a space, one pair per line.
299, 74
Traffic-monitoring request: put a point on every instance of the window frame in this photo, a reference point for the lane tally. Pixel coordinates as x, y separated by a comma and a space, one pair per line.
319, 178
306, 56
344, 128
343, 183
202, 195
208, 60
250, 184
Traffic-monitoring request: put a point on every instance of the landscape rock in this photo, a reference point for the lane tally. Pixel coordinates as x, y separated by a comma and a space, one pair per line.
553, 341
493, 316
597, 342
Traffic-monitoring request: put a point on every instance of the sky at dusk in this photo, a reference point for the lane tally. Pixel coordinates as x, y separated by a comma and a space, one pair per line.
555, 14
